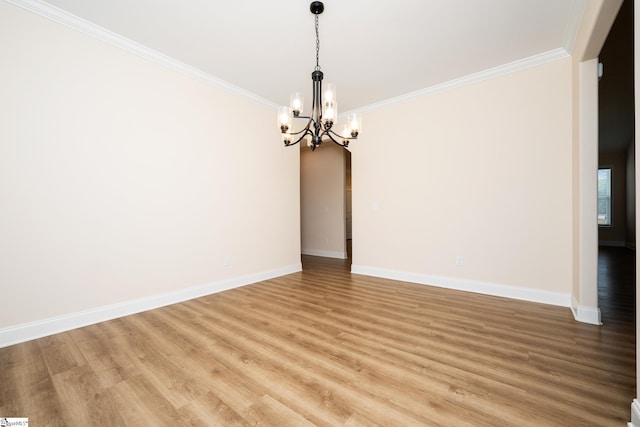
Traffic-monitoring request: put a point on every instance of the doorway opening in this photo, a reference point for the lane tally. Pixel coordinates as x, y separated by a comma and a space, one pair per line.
616, 160
325, 202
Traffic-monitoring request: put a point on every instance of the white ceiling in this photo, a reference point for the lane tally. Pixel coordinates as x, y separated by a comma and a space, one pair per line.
371, 50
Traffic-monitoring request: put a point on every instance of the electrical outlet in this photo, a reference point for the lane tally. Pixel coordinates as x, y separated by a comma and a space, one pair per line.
227, 260
459, 261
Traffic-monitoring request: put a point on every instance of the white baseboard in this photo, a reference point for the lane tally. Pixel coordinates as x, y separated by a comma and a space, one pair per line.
41, 328
585, 314
635, 414
499, 290
325, 254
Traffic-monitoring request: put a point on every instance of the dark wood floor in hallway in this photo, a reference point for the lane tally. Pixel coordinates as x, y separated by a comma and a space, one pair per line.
325, 347
617, 287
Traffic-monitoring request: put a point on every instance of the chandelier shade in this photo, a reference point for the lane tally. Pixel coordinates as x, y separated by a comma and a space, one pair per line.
323, 118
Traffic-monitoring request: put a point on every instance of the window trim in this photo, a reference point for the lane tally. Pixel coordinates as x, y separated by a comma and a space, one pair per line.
610, 224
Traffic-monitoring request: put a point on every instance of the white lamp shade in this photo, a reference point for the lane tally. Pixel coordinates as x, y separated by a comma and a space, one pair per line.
284, 119
346, 131
330, 112
354, 121
329, 96
297, 102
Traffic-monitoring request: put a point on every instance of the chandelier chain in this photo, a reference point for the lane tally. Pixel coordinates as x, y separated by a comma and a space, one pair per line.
317, 46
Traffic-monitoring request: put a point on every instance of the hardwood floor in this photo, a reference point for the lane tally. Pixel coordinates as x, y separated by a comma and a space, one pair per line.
616, 287
324, 347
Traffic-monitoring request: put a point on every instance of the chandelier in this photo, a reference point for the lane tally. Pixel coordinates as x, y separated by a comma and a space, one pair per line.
324, 109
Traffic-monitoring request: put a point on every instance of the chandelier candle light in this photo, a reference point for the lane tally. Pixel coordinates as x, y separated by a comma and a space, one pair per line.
324, 108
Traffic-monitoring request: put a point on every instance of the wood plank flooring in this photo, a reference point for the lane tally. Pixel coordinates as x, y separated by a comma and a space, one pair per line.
324, 347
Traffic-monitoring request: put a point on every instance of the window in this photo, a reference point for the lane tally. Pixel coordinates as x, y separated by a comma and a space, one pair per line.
604, 196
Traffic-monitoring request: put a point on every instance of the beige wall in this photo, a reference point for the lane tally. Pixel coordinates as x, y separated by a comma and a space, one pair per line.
479, 172
322, 201
122, 180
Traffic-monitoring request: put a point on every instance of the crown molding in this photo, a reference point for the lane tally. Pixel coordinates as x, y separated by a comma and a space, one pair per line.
575, 19
532, 61
62, 17
74, 22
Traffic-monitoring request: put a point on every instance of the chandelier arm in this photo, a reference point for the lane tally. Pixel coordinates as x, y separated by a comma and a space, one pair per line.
331, 132
304, 129
305, 132
328, 133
